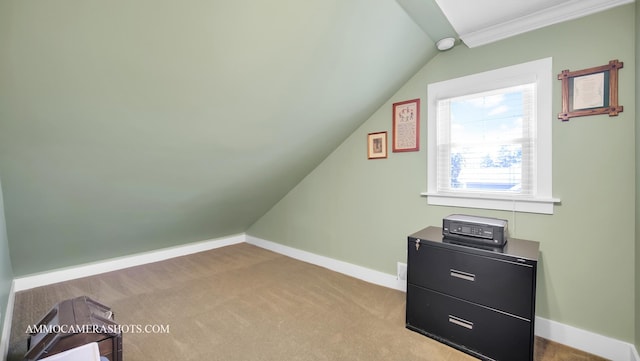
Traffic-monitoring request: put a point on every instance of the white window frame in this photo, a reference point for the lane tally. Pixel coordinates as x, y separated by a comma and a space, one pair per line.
538, 71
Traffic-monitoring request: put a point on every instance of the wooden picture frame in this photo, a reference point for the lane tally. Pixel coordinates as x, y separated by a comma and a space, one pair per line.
590, 91
406, 126
377, 145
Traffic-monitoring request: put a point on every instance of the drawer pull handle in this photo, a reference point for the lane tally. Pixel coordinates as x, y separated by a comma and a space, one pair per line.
462, 275
461, 322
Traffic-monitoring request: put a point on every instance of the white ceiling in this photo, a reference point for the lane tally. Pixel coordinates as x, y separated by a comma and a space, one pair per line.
478, 22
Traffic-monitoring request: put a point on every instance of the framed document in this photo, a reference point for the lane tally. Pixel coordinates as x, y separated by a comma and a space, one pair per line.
590, 91
377, 145
406, 126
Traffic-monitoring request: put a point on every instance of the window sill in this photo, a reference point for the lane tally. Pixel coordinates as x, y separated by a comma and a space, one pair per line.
529, 205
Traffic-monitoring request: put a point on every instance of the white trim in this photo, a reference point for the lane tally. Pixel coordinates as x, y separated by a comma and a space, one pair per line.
580, 339
574, 337
587, 341
6, 326
349, 269
90, 269
634, 354
538, 71
553, 15
537, 205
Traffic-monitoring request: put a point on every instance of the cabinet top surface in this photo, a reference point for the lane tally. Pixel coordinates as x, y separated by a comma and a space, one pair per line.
515, 247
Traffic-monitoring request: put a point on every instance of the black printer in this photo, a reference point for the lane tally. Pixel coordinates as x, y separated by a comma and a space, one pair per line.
475, 230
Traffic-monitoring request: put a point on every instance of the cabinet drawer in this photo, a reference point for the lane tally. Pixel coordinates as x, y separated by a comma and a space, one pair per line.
469, 327
491, 282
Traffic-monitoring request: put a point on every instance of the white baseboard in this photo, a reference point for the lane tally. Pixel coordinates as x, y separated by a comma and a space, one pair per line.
90, 269
6, 325
596, 344
587, 341
634, 354
363, 273
574, 337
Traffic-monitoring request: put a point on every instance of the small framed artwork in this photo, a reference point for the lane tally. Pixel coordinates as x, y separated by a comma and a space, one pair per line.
590, 91
377, 145
406, 126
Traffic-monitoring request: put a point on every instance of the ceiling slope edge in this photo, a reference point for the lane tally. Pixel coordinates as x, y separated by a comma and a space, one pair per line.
428, 16
553, 15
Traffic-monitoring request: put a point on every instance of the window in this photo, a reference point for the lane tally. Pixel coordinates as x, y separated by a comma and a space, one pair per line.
486, 141
490, 140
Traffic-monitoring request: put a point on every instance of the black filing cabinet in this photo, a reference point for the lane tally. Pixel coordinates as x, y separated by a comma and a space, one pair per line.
478, 300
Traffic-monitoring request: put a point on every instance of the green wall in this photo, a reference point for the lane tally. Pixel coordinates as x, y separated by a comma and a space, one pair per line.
129, 126
360, 211
637, 273
6, 272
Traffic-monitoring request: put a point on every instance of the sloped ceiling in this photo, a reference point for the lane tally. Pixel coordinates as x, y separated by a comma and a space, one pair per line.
128, 126
133, 125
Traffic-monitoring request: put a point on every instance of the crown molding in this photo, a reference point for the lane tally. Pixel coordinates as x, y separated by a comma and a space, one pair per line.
570, 10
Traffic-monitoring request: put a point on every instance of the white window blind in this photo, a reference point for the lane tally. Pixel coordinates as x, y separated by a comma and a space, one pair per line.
489, 139
487, 142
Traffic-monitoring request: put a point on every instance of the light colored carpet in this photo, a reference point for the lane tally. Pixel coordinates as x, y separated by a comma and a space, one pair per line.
242, 302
